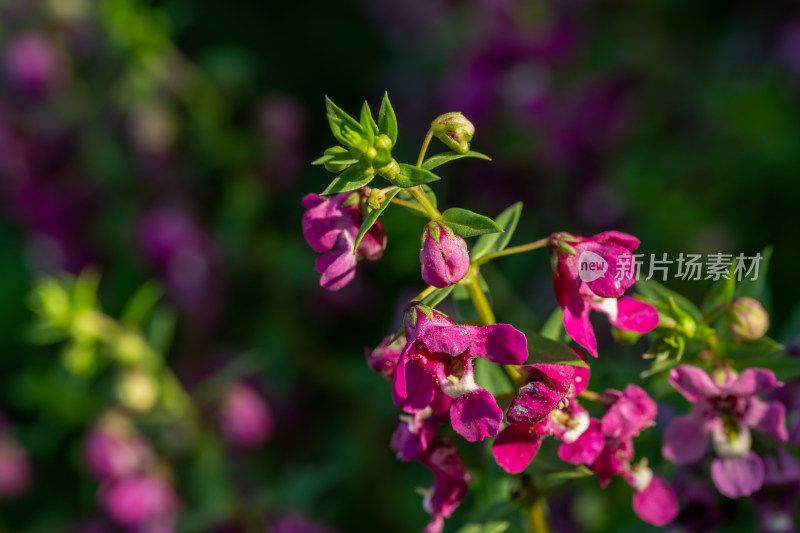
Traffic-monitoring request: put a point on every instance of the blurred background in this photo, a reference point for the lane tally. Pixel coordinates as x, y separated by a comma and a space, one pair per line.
160, 150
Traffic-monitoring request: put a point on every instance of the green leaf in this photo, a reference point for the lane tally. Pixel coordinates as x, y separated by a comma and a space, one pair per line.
387, 121
340, 121
659, 294
411, 176
342, 158
492, 377
754, 288
544, 350
161, 329
553, 327
720, 292
141, 304
468, 223
349, 180
445, 157
494, 242
372, 217
495, 526
367, 122
433, 299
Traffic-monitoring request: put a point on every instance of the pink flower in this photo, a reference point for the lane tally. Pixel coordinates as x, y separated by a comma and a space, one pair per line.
444, 256
726, 410
606, 447
113, 449
414, 434
331, 225
31, 65
450, 484
383, 359
15, 469
246, 419
592, 273
545, 406
435, 369
145, 501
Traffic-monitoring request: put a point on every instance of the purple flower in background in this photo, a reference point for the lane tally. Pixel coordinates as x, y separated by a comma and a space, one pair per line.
184, 256
788, 47
450, 484
146, 502
777, 499
591, 274
331, 225
31, 65
435, 369
699, 511
383, 359
414, 434
727, 410
113, 448
444, 256
246, 419
15, 469
282, 120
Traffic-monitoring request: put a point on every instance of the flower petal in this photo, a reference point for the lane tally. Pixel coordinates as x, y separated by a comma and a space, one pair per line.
693, 383
633, 315
578, 326
587, 448
752, 381
515, 446
633, 411
685, 439
499, 343
657, 503
533, 403
475, 415
446, 339
337, 267
768, 418
738, 476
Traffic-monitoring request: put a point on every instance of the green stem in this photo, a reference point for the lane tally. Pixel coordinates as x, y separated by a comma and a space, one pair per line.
536, 516
410, 205
423, 294
424, 148
535, 245
596, 397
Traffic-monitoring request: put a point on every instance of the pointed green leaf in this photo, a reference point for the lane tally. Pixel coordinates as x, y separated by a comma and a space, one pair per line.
341, 158
433, 299
340, 122
372, 217
367, 122
387, 121
440, 159
468, 223
494, 242
720, 292
349, 180
754, 288
142, 304
553, 327
659, 294
544, 350
411, 176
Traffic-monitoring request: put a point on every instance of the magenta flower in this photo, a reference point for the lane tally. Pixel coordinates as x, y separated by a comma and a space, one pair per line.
414, 434
246, 419
31, 65
591, 274
450, 484
383, 359
444, 256
331, 225
144, 501
113, 449
777, 499
545, 406
15, 469
726, 410
435, 369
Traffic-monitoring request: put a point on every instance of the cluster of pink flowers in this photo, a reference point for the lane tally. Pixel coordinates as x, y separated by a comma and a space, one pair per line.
134, 491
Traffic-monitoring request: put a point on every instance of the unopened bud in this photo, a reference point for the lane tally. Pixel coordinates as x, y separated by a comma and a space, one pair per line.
748, 319
376, 198
444, 256
333, 166
454, 130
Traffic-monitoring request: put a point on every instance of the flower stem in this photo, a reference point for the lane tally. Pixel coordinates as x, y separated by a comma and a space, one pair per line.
410, 205
419, 297
536, 520
541, 243
425, 143
596, 397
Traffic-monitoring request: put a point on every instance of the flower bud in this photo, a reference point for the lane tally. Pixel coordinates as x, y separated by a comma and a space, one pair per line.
375, 198
748, 320
444, 256
454, 130
333, 166
246, 420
